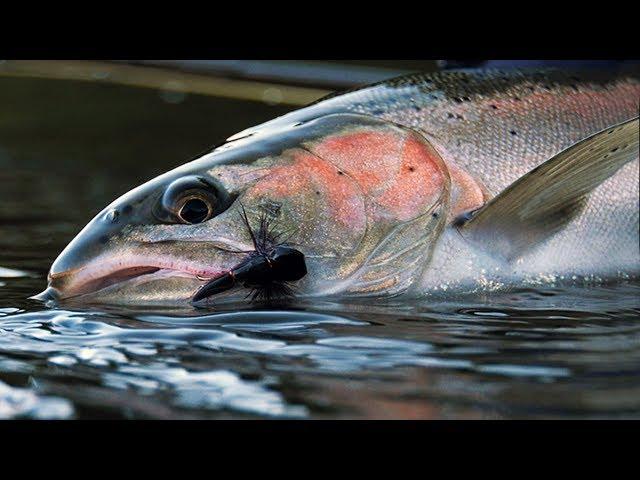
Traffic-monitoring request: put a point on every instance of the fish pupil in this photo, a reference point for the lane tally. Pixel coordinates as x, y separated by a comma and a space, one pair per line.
195, 210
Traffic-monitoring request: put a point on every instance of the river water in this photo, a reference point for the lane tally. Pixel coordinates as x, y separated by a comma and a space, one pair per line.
68, 148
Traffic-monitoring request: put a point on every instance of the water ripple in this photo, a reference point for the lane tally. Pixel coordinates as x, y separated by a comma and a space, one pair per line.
284, 363
24, 403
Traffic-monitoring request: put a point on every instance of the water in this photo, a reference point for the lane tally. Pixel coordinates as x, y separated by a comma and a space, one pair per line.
67, 149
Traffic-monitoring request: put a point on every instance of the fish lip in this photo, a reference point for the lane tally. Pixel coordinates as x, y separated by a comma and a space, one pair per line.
49, 294
114, 278
102, 274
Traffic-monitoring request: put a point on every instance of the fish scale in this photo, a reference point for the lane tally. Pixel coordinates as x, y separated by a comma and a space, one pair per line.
499, 125
511, 121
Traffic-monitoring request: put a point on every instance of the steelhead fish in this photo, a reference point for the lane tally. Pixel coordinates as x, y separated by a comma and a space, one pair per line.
458, 181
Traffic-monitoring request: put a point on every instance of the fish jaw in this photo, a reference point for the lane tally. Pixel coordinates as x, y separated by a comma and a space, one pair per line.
108, 271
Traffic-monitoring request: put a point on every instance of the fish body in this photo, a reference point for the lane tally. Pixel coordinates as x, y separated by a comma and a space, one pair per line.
497, 126
372, 183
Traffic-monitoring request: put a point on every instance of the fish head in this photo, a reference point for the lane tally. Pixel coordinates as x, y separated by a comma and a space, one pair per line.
363, 199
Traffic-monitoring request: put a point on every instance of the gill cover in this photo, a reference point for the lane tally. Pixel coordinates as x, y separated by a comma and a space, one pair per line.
401, 183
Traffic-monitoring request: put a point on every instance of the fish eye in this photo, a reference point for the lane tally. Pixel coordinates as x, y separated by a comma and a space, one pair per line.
195, 210
191, 200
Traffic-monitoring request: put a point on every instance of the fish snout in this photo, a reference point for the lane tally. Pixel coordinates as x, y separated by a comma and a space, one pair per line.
88, 245
59, 283
48, 294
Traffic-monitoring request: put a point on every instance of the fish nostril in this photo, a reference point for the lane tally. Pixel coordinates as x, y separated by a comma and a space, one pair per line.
112, 215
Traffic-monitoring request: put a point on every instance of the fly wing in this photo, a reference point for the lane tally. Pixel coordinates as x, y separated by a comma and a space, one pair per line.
543, 201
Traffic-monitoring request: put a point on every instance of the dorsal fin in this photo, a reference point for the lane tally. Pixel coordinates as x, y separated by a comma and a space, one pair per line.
544, 200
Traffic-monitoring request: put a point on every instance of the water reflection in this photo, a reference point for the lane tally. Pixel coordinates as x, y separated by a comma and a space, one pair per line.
444, 360
24, 403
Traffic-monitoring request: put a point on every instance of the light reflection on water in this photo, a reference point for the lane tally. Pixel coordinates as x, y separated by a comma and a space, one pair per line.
574, 353
533, 354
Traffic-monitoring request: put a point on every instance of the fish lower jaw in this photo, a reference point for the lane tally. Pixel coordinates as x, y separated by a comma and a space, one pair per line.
107, 276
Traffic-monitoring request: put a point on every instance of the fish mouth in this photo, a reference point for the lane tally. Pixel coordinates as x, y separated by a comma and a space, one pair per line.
99, 276
116, 277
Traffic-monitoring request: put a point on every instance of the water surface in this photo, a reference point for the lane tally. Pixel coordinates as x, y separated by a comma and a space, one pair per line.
69, 148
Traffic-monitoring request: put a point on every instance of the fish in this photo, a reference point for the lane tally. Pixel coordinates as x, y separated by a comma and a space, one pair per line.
460, 181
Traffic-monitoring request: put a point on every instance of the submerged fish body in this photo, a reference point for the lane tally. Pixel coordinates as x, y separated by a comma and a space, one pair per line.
370, 185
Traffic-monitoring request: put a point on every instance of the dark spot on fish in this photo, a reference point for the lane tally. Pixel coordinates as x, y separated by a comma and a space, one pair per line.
450, 115
460, 220
317, 192
457, 99
531, 88
513, 132
127, 209
416, 108
575, 87
411, 168
452, 84
459, 117
104, 239
517, 99
340, 173
494, 107
378, 111
434, 215
614, 150
112, 216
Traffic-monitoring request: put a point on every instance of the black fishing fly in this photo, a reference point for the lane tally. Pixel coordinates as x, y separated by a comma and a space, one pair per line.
267, 271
